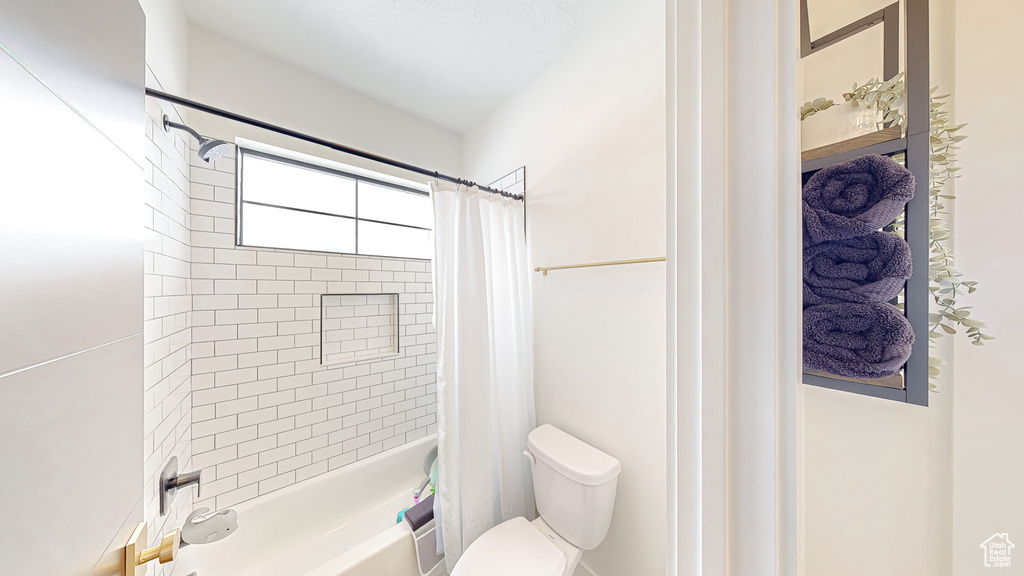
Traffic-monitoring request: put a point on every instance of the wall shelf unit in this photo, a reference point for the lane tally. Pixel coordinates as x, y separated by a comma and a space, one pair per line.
858, 145
911, 385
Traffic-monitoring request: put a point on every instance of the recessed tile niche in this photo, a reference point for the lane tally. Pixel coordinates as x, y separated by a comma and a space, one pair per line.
356, 327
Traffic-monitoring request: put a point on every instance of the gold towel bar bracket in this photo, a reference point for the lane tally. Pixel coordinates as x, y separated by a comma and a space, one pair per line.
545, 269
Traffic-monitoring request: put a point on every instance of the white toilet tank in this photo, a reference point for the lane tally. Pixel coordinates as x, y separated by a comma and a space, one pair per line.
574, 485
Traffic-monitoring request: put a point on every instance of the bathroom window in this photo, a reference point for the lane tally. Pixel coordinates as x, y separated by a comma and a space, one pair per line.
286, 203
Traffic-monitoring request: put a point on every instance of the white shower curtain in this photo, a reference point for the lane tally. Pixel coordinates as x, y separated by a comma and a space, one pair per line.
484, 364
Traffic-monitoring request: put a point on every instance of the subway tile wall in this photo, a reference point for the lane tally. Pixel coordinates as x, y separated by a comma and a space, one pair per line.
167, 311
266, 413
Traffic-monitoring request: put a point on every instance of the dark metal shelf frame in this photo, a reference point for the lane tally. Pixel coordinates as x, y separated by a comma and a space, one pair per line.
915, 144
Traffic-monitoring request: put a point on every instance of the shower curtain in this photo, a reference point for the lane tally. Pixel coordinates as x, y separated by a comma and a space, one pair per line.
484, 364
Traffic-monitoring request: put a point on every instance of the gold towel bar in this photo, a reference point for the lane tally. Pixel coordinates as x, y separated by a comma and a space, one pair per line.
545, 269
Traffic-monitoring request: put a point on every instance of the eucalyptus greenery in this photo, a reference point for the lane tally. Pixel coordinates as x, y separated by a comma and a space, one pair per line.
814, 106
946, 282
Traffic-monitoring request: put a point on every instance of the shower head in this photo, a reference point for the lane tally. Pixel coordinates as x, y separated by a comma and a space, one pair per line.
209, 148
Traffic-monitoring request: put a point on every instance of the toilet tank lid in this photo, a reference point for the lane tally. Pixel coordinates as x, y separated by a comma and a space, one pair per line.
571, 456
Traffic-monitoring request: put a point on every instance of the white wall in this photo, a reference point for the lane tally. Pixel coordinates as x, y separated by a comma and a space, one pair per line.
227, 75
590, 130
877, 475
989, 398
167, 44
71, 286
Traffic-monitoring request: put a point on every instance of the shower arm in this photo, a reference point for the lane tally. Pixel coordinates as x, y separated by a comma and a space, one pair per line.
168, 125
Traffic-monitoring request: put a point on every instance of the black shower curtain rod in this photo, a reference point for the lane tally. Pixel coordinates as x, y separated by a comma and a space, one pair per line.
314, 140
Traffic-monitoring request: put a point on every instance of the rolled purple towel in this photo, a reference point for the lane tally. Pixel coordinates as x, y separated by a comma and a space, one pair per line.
856, 340
869, 268
854, 198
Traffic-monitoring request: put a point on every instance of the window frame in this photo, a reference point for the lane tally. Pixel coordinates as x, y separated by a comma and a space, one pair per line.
244, 151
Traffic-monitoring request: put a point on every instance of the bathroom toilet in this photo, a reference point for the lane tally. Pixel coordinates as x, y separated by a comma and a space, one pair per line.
574, 484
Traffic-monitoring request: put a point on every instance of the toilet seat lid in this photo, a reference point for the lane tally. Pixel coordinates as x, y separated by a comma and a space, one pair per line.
512, 548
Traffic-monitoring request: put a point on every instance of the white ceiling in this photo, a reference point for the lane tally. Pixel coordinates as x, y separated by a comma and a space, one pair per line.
447, 61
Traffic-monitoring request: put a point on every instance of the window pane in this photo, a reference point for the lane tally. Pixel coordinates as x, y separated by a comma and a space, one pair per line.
392, 205
277, 228
387, 240
290, 185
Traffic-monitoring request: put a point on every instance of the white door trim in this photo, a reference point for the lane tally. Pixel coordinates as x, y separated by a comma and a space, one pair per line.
733, 286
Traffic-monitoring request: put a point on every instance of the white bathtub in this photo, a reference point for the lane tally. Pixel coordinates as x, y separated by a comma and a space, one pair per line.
338, 524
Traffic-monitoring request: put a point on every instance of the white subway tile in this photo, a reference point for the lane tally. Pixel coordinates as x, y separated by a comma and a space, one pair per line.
255, 272
276, 454
294, 463
214, 457
233, 497
328, 452
256, 474
326, 275
236, 316
311, 260
257, 446
213, 395
276, 370
215, 426
277, 482
216, 364
310, 418
274, 258
294, 436
257, 416
229, 499
289, 273
206, 176
276, 398
212, 239
294, 408
221, 302
275, 427
262, 329
236, 466
214, 333
310, 287
257, 301
233, 407
218, 487
295, 300
310, 471
343, 460
235, 256
275, 286
235, 286
208, 208
233, 437
257, 359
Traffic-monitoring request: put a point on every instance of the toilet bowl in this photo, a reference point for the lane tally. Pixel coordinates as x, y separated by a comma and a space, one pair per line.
575, 488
